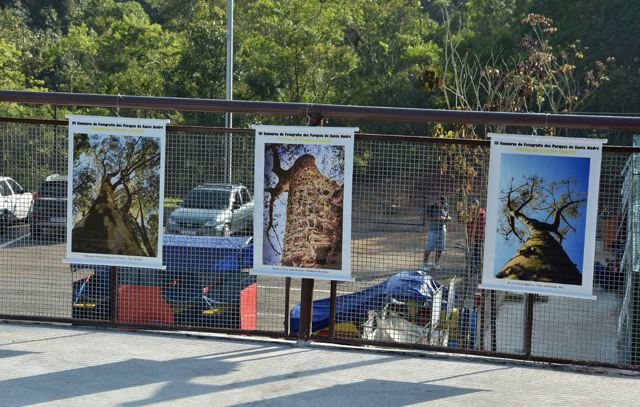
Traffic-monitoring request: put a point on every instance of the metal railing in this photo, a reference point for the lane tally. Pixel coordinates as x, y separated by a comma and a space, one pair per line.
395, 177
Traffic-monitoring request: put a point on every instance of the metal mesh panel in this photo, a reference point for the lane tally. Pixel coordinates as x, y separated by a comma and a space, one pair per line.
395, 183
34, 281
588, 329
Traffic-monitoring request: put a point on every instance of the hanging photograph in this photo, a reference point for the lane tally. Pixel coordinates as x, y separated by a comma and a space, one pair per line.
541, 214
302, 221
115, 210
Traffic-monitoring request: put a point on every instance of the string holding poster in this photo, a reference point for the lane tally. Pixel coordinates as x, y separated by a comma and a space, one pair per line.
302, 221
115, 191
541, 214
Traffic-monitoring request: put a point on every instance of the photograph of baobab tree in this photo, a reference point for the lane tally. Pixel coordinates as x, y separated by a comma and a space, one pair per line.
541, 218
116, 194
303, 205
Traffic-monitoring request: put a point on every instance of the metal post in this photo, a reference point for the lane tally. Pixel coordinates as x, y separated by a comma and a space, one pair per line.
287, 292
332, 308
306, 305
229, 72
228, 117
113, 297
527, 336
481, 319
633, 233
492, 320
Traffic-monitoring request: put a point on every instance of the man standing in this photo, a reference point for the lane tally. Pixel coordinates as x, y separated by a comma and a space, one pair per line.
438, 215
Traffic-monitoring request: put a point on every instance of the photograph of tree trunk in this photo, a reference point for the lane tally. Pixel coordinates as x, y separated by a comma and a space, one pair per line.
541, 222
303, 205
116, 194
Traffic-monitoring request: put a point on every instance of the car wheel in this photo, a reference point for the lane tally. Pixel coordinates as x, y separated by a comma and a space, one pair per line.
226, 230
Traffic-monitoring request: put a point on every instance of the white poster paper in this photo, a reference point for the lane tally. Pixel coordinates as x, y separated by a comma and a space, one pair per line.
302, 221
541, 214
115, 191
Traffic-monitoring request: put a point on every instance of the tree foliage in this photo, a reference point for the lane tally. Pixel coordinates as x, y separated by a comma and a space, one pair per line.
294, 50
538, 214
535, 205
120, 176
114, 48
367, 52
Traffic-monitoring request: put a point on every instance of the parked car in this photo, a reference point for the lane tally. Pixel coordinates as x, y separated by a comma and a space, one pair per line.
213, 210
15, 202
49, 213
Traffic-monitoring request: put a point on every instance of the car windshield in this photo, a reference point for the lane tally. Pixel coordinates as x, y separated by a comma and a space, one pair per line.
207, 199
54, 189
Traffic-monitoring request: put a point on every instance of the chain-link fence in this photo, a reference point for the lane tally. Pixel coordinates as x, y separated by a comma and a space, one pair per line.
395, 299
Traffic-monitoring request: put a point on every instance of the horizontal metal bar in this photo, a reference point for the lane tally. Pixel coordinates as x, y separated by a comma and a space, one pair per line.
359, 136
148, 327
491, 354
326, 110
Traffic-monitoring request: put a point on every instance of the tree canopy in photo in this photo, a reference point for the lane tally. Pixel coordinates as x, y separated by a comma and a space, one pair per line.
542, 218
116, 191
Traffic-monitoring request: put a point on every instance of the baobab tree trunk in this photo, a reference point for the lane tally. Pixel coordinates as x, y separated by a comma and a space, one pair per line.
541, 258
313, 232
105, 229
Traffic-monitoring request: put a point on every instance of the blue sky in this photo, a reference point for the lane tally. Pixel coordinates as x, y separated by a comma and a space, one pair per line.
550, 168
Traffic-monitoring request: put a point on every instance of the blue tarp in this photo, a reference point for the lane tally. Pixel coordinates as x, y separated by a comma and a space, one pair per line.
206, 253
197, 253
411, 285
195, 261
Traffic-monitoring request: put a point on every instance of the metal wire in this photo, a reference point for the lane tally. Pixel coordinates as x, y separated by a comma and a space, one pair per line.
208, 286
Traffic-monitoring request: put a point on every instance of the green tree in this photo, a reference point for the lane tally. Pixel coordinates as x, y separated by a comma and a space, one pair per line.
293, 50
390, 39
200, 71
609, 29
114, 48
16, 60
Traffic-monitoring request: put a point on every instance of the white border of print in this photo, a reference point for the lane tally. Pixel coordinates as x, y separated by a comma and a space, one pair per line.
124, 126
343, 136
508, 144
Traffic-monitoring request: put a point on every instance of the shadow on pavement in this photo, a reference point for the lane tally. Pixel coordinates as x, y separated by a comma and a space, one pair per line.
384, 392
6, 353
180, 378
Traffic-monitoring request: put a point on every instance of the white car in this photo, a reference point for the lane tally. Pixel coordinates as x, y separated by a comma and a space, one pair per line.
15, 202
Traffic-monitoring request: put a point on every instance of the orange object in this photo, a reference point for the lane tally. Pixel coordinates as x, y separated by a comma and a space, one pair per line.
248, 307
143, 304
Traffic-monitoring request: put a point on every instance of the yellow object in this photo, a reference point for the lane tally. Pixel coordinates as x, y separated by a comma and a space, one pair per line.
342, 329
85, 305
214, 311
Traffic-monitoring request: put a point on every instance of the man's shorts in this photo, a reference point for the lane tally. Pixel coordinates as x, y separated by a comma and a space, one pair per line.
436, 239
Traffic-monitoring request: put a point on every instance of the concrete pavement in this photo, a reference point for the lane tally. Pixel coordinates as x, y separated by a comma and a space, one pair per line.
63, 365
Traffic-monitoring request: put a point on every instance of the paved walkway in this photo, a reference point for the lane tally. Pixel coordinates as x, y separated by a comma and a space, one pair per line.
63, 365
